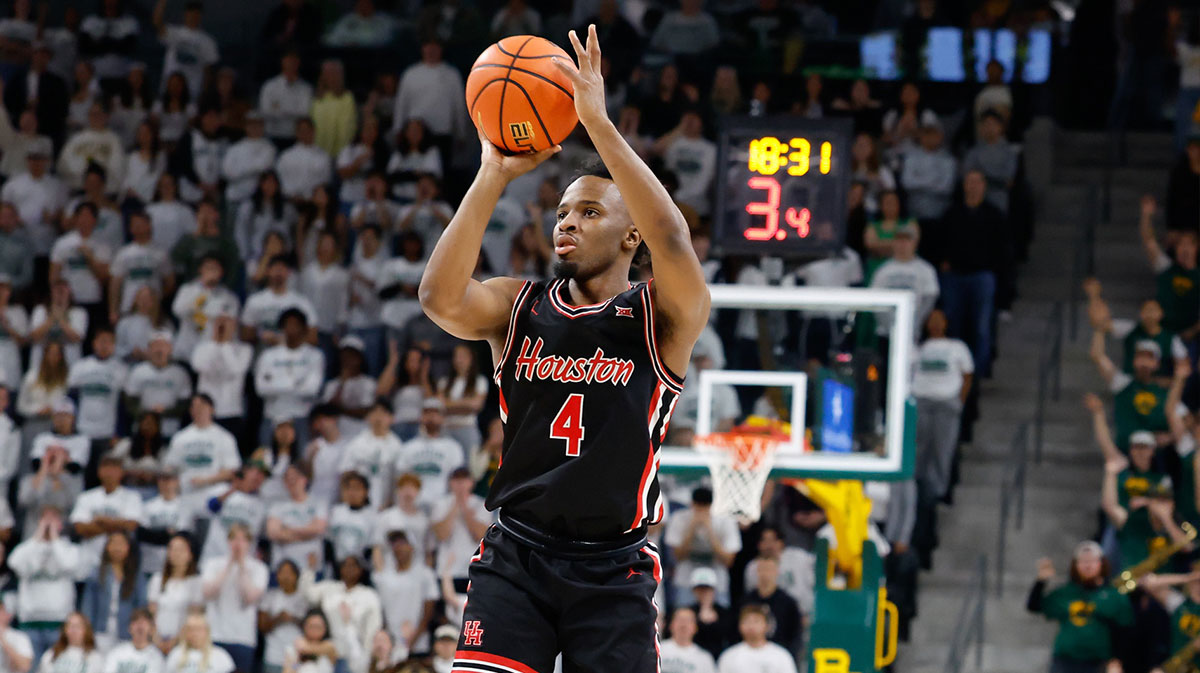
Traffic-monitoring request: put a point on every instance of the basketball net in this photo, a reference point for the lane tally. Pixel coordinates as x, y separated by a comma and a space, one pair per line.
740, 462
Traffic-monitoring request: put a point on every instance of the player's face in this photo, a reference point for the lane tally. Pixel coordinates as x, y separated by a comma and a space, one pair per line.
594, 230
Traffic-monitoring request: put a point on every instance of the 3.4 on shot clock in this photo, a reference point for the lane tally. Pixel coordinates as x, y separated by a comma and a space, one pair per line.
782, 185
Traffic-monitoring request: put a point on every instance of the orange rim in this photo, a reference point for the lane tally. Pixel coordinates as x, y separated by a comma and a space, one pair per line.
748, 450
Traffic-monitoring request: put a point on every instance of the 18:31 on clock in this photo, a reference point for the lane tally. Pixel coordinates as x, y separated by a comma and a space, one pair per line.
782, 186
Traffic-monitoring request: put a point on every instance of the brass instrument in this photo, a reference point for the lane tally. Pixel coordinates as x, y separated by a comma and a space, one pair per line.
1183, 661
1128, 579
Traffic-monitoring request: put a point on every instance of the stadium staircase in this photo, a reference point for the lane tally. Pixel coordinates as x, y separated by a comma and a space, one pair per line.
1062, 492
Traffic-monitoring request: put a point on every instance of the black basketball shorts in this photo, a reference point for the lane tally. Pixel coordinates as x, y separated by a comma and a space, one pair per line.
525, 605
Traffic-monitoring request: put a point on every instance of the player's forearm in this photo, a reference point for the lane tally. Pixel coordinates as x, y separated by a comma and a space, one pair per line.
655, 214
448, 272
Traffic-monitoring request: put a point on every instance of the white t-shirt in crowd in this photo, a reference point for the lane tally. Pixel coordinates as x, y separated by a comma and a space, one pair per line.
189, 52
694, 162
301, 168
282, 103
125, 658
221, 374
71, 660
415, 526
85, 287
326, 459
164, 387
78, 447
277, 640
158, 513
939, 367
201, 452
218, 661
171, 220
364, 302
77, 317
246, 509
432, 459
195, 306
20, 644
454, 554
355, 393
916, 275
770, 658
288, 380
727, 532
373, 457
351, 531
35, 197
122, 503
231, 618
675, 658
140, 266
295, 514
99, 383
264, 307
329, 290
173, 602
401, 308
406, 592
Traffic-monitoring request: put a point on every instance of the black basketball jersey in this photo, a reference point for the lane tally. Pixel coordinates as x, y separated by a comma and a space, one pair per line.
586, 402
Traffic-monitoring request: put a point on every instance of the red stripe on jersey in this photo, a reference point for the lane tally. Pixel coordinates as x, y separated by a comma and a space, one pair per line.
660, 369
503, 407
567, 309
652, 420
467, 656
479, 554
518, 302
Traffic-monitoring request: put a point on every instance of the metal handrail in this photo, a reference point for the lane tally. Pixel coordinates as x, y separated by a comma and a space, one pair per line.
1049, 370
1012, 495
969, 629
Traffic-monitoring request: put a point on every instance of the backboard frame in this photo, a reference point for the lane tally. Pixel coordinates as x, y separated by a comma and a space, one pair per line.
900, 430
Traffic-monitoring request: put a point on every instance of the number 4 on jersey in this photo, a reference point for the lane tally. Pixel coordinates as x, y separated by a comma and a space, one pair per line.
568, 423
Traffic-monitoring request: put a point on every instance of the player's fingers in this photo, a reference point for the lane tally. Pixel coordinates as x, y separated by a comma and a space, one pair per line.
593, 45
567, 68
580, 51
545, 154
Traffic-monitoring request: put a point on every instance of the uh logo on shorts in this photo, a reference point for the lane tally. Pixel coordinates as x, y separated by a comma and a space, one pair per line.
522, 134
472, 633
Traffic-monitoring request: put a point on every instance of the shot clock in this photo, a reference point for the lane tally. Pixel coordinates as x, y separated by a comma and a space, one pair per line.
781, 186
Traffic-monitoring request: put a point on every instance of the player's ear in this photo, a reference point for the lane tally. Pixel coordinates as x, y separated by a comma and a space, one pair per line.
633, 238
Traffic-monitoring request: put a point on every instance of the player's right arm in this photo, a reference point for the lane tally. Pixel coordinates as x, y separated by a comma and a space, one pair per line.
456, 302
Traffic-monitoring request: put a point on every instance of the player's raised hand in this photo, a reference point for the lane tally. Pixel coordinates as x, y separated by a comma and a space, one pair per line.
511, 166
587, 78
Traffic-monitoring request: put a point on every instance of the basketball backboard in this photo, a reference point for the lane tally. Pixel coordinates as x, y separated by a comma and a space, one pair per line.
885, 455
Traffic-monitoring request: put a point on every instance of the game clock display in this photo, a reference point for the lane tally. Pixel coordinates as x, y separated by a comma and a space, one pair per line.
782, 186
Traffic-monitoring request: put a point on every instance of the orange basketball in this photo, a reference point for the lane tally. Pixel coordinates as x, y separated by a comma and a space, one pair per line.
518, 98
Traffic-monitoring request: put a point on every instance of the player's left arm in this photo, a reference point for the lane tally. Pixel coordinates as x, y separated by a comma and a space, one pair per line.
679, 290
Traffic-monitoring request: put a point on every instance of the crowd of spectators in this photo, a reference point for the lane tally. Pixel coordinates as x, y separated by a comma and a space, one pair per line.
229, 428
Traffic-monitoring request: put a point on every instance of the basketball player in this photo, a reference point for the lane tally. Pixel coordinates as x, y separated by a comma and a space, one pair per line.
586, 365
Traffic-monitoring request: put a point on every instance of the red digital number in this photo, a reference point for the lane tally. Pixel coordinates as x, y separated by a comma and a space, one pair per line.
799, 220
768, 208
568, 423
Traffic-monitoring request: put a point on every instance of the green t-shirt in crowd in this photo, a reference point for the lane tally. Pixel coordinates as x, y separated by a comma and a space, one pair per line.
1185, 625
1179, 294
1086, 616
1137, 538
1138, 406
